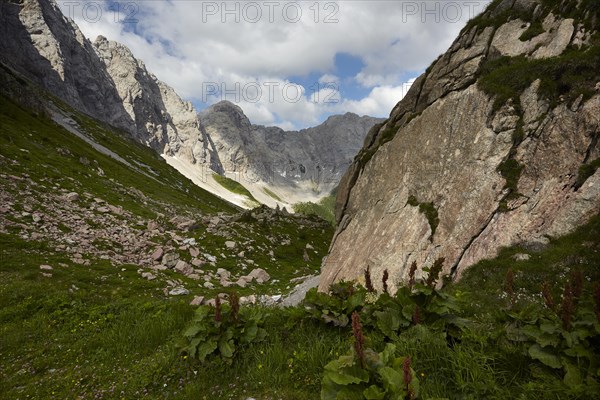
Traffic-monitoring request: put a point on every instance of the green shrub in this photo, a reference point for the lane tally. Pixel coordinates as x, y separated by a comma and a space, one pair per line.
534, 30
428, 210
324, 209
365, 374
223, 330
585, 171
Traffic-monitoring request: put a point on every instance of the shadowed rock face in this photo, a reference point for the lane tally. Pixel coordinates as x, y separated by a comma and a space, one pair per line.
444, 148
49, 49
163, 120
102, 79
317, 155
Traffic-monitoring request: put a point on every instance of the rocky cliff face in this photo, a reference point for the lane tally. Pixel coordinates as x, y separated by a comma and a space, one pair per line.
163, 121
312, 160
39, 42
495, 145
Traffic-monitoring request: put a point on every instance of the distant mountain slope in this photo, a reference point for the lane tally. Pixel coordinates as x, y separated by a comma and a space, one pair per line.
495, 144
296, 166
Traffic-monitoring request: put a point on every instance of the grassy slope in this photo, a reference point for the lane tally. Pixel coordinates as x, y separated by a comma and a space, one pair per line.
100, 330
324, 209
36, 142
235, 187
117, 335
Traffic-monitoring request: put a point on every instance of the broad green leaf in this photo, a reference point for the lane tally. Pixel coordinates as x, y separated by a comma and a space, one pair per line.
206, 348
388, 322
355, 301
393, 380
329, 389
549, 327
191, 349
193, 330
374, 393
340, 320
350, 393
408, 311
226, 347
388, 354
546, 356
349, 375
580, 350
250, 333
572, 376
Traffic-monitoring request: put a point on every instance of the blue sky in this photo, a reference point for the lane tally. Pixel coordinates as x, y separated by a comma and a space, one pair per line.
286, 63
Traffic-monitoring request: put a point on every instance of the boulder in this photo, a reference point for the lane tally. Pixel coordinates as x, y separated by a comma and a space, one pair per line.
184, 268
198, 300
260, 275
158, 254
170, 259
72, 197
179, 291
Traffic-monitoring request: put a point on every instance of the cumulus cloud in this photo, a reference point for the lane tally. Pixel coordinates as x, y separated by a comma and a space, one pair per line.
189, 44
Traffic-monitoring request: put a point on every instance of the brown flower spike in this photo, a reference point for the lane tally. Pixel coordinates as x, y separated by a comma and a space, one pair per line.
407, 377
218, 316
359, 339
368, 283
384, 280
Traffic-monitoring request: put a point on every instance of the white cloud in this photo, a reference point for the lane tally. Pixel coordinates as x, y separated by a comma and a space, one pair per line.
379, 102
190, 43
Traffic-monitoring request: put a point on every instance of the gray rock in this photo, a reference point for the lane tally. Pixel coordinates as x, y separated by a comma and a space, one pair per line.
210, 258
521, 257
72, 197
183, 268
208, 285
260, 275
46, 267
251, 299
223, 273
152, 225
242, 282
190, 241
179, 291
149, 276
299, 292
279, 158
194, 252
198, 300
170, 259
197, 262
230, 244
158, 254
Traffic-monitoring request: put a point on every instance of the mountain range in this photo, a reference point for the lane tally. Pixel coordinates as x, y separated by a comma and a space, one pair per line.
105, 80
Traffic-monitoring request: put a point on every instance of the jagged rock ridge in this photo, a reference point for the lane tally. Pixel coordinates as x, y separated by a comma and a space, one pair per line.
484, 151
312, 159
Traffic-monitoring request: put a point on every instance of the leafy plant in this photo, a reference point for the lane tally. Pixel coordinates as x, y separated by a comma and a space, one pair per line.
365, 374
337, 306
223, 330
560, 337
